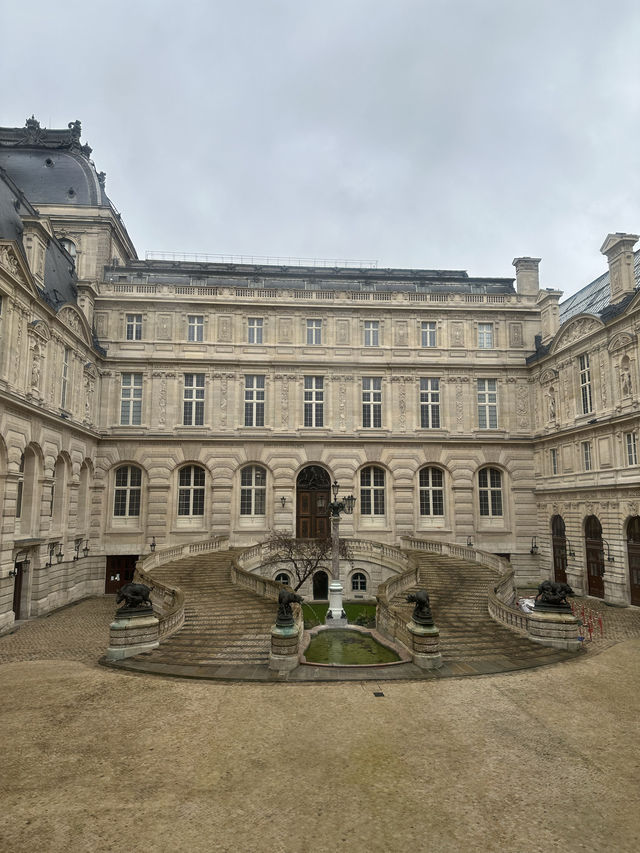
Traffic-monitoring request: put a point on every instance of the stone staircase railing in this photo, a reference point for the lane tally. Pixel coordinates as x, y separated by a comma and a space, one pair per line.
503, 607
176, 552
264, 587
168, 603
388, 622
475, 555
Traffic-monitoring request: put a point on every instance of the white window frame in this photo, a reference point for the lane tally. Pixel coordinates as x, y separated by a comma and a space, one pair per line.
253, 492
191, 491
631, 447
486, 336
371, 402
431, 492
279, 578
587, 456
586, 395
133, 331
372, 492
313, 401
195, 328
254, 399
372, 333
64, 387
255, 330
487, 403
127, 493
553, 455
490, 493
428, 333
193, 400
430, 402
314, 333
358, 582
130, 399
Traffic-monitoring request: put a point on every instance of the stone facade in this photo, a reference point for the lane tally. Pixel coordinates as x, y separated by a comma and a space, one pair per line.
178, 399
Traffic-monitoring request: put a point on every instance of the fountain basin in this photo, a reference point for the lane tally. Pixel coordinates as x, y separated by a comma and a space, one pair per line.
352, 646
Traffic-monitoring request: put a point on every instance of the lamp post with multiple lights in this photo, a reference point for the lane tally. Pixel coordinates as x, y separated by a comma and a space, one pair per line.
336, 508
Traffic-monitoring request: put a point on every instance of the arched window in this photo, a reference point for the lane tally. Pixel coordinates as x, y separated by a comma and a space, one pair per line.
126, 500
253, 490
490, 492
358, 582
431, 491
372, 491
283, 577
191, 491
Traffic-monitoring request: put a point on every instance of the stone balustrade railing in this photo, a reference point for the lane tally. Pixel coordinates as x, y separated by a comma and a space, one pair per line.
168, 602
503, 607
264, 587
388, 622
176, 552
464, 552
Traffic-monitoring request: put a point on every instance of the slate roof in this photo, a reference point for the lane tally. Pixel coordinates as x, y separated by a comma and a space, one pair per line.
594, 298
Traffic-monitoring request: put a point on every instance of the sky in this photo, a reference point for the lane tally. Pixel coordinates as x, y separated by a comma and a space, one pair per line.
434, 134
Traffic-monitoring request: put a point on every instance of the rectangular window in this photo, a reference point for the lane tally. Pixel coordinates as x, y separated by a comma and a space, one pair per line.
430, 403
431, 492
631, 444
487, 404
195, 327
485, 335
585, 385
371, 333
427, 334
134, 327
554, 460
193, 403
372, 401
314, 333
65, 378
253, 400
586, 455
254, 330
314, 401
131, 399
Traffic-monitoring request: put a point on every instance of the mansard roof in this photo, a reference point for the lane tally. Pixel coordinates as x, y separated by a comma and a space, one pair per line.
51, 166
594, 297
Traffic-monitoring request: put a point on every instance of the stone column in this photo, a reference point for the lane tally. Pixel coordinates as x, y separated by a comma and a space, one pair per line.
133, 631
283, 656
426, 645
559, 629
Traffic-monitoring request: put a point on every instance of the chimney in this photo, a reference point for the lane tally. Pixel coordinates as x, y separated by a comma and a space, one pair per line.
619, 251
549, 314
527, 278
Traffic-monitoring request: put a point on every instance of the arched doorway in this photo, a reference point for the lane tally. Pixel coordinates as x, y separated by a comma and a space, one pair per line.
595, 556
321, 585
313, 494
633, 553
559, 541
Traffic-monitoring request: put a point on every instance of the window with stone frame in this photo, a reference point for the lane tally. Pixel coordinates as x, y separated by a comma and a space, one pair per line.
372, 491
631, 447
487, 403
372, 333
253, 490
64, 385
314, 333
431, 492
553, 453
191, 481
358, 582
587, 461
255, 328
429, 403
134, 327
195, 327
586, 397
313, 401
254, 398
193, 402
372, 402
490, 492
485, 336
131, 399
127, 492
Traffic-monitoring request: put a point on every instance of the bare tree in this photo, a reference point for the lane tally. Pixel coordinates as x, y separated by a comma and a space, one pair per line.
302, 557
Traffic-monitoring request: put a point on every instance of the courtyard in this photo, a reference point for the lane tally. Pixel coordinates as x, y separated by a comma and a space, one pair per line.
97, 760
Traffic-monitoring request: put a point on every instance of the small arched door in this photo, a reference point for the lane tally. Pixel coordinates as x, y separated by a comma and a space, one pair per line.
313, 494
633, 553
559, 541
595, 556
321, 585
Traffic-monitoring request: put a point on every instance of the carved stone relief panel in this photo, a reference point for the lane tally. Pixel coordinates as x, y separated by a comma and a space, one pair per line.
457, 334
342, 332
285, 330
225, 328
401, 334
515, 335
165, 324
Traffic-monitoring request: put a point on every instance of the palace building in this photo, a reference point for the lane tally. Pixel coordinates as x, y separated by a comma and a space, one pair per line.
169, 400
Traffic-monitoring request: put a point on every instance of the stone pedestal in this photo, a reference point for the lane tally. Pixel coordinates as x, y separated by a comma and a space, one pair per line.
426, 645
133, 631
335, 610
559, 629
283, 656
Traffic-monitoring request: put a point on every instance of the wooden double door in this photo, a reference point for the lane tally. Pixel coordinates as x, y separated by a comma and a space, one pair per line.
120, 569
594, 549
633, 554
313, 495
17, 589
559, 542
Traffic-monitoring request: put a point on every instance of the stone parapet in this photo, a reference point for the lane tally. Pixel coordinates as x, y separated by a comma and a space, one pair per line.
560, 630
285, 644
132, 632
425, 645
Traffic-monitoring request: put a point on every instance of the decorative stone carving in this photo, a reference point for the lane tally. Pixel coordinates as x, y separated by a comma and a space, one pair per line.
35, 367
9, 261
164, 327
342, 332
401, 336
457, 334
577, 329
515, 335
522, 407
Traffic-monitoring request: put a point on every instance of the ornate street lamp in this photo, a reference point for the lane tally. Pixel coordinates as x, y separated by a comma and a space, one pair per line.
336, 508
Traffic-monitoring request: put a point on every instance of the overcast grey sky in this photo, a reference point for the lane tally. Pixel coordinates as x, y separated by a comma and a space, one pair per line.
450, 134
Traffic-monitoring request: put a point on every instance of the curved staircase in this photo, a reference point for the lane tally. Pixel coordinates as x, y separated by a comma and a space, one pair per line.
223, 624
458, 594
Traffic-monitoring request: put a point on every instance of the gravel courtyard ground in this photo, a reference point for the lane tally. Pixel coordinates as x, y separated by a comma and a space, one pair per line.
97, 760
